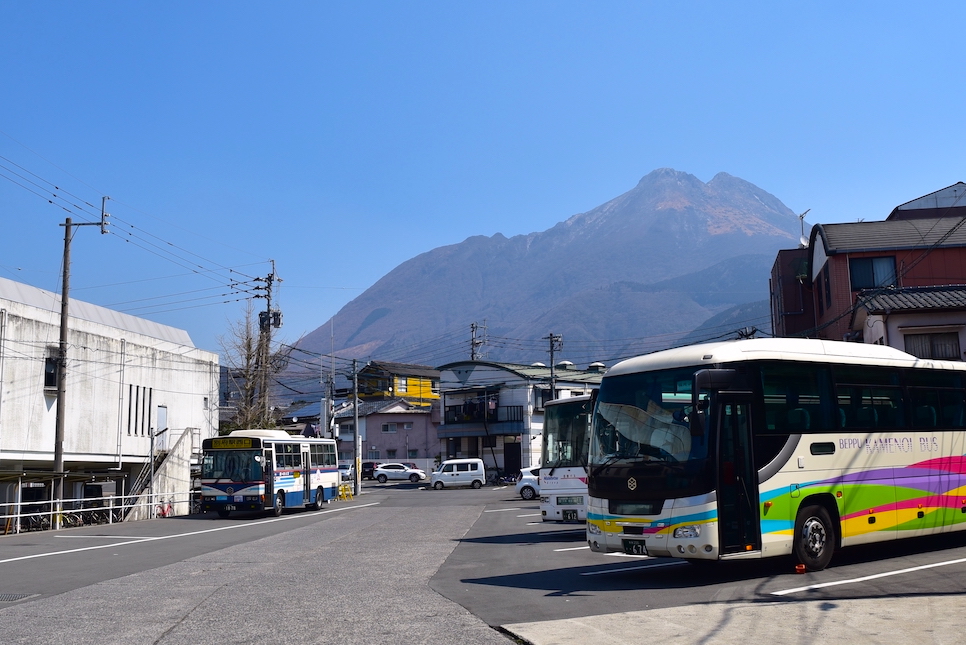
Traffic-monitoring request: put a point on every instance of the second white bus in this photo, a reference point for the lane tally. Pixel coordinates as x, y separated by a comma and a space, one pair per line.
563, 476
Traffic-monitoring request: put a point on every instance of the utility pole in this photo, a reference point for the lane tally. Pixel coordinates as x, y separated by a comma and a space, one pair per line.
267, 320
476, 343
556, 344
357, 448
61, 421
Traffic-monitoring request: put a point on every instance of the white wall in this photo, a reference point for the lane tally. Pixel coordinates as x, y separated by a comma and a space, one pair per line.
108, 371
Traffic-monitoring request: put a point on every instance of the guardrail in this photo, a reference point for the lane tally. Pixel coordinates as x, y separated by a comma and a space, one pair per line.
42, 515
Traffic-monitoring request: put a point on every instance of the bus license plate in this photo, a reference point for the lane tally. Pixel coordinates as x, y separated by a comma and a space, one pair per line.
230, 507
570, 516
635, 547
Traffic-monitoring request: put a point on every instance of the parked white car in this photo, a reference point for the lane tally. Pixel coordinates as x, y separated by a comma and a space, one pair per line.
385, 472
347, 471
528, 483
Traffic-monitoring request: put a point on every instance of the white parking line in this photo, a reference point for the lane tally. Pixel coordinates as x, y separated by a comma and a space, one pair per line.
574, 548
125, 539
864, 578
502, 510
531, 515
106, 537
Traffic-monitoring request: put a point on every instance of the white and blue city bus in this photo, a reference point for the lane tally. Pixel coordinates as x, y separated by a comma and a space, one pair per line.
258, 470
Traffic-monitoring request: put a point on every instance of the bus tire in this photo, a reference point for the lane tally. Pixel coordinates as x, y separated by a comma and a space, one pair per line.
223, 512
814, 537
319, 498
279, 505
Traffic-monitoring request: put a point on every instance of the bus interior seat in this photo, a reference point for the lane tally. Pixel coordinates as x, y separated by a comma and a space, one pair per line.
926, 416
843, 422
953, 415
798, 419
866, 417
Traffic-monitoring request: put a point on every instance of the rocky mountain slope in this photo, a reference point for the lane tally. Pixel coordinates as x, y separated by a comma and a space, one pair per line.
635, 274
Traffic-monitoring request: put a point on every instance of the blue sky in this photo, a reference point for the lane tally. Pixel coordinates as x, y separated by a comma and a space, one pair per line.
341, 139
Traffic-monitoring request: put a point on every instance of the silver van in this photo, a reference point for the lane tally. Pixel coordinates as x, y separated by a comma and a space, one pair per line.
459, 472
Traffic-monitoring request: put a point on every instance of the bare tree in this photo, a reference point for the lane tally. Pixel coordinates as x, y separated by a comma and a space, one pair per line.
250, 362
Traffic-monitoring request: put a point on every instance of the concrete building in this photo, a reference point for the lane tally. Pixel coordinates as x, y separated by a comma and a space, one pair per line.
136, 392
495, 410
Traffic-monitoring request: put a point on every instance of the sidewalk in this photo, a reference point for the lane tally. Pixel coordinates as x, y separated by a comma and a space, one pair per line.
922, 620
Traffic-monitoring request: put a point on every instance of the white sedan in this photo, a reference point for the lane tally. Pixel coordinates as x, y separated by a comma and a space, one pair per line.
528, 483
385, 472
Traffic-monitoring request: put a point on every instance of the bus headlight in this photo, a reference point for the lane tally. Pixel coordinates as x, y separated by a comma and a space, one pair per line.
593, 529
688, 531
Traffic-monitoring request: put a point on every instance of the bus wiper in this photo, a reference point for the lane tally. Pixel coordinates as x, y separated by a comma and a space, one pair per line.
607, 463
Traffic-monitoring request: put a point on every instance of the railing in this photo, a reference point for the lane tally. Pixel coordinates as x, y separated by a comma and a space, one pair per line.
476, 414
42, 516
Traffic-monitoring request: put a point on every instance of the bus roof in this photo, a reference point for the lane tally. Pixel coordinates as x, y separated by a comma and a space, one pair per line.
787, 349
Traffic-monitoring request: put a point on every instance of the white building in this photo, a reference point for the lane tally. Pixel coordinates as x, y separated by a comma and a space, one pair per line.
129, 380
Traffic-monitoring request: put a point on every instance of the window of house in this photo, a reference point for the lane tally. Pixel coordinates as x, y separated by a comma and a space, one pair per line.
489, 441
372, 454
869, 273
435, 386
944, 345
50, 373
408, 425
389, 427
391, 454
402, 385
413, 453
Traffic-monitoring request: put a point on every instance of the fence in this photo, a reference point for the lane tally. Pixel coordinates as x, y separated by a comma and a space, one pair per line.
41, 516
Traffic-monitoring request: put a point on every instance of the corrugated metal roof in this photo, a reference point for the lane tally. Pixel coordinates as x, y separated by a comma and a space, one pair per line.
50, 301
914, 299
537, 372
892, 235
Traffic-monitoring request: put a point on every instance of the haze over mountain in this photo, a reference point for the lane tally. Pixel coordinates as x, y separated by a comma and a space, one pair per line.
635, 274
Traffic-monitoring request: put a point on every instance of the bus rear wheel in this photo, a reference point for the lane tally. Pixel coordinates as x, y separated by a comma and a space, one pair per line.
319, 498
814, 537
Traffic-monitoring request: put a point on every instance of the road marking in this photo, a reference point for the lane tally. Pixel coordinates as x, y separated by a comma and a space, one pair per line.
865, 578
135, 540
643, 566
502, 510
105, 537
531, 515
574, 548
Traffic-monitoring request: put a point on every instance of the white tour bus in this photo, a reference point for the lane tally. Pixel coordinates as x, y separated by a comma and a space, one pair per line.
563, 476
775, 446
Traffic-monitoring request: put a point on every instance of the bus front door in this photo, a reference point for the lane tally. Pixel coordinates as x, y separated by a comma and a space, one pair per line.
739, 529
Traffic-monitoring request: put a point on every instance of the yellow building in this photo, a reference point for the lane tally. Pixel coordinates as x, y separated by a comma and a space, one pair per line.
417, 384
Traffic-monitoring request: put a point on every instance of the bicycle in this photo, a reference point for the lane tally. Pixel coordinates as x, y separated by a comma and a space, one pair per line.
163, 509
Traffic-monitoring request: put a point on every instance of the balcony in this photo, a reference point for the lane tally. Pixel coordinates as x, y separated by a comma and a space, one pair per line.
504, 419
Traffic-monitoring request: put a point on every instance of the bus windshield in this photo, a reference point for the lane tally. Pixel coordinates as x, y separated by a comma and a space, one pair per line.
232, 465
565, 434
641, 428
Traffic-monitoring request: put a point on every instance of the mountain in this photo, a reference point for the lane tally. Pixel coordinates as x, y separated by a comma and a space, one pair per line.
648, 266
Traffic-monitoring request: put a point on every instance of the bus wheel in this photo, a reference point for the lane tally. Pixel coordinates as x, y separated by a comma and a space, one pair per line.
438, 485
279, 505
319, 498
223, 512
814, 537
